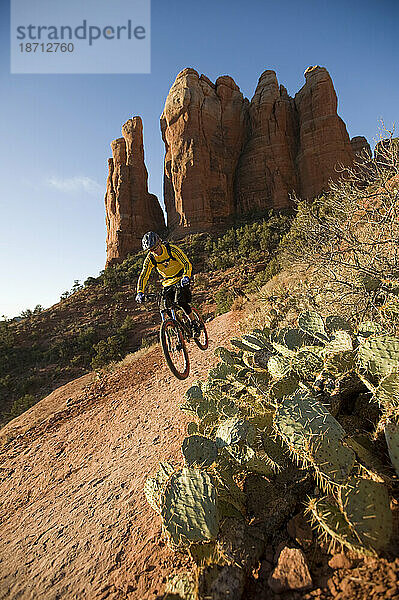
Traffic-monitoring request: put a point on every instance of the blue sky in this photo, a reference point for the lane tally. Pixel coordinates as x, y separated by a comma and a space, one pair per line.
55, 130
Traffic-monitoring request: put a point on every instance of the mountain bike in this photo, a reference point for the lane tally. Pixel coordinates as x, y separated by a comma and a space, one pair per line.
174, 332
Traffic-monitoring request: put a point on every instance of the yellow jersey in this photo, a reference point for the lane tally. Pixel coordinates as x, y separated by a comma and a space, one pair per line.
171, 266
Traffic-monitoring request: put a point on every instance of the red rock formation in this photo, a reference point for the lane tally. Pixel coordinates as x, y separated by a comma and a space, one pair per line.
323, 140
203, 126
226, 157
360, 147
266, 173
130, 209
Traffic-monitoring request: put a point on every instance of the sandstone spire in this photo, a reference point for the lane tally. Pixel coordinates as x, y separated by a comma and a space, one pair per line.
130, 209
324, 143
203, 127
266, 173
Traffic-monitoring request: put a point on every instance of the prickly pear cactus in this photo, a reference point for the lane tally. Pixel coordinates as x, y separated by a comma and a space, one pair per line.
183, 585
233, 431
154, 486
311, 323
340, 341
337, 323
392, 438
365, 504
368, 329
290, 338
283, 387
199, 450
196, 403
192, 428
279, 366
314, 438
227, 356
189, 507
387, 392
307, 363
339, 363
333, 527
378, 355
221, 372
258, 360
251, 342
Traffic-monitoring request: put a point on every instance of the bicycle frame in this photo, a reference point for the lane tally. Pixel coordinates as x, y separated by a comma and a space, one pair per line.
172, 312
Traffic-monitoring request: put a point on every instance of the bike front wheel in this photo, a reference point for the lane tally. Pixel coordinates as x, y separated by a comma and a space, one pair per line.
174, 349
202, 339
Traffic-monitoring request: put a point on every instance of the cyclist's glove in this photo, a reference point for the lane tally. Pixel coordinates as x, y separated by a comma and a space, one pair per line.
140, 297
185, 281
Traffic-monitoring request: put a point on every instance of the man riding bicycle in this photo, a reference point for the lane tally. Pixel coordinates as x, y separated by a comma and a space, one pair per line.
174, 269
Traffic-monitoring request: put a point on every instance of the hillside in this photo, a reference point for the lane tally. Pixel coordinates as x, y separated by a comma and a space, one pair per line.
283, 473
100, 322
75, 521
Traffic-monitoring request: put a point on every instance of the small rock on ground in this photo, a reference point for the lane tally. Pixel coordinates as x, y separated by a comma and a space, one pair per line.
340, 561
299, 529
291, 572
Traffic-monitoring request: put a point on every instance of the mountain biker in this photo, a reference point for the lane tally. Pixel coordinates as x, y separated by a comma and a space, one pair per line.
174, 268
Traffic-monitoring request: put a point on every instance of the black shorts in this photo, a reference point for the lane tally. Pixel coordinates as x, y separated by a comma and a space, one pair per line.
176, 293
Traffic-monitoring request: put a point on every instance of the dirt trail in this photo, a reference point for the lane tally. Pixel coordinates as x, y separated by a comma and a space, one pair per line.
74, 519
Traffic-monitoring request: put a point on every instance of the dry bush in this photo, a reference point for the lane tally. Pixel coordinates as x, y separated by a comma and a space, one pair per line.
350, 235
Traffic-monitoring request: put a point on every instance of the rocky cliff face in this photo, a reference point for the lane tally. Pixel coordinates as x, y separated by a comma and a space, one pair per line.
203, 127
130, 209
323, 140
360, 147
266, 173
226, 156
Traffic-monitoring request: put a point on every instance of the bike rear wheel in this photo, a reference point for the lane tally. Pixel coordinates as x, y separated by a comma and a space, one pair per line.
174, 349
202, 339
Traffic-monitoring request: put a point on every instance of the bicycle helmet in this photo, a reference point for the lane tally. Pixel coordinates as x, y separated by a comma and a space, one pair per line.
150, 240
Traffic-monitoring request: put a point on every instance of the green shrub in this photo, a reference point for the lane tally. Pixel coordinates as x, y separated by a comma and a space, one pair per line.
224, 299
108, 350
21, 405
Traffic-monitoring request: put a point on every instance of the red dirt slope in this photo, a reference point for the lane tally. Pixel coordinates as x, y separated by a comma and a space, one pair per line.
75, 522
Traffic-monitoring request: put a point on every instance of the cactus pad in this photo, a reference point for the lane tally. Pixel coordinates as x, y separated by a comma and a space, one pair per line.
257, 360
252, 342
183, 585
365, 504
314, 437
392, 438
387, 393
311, 323
283, 387
307, 363
230, 358
233, 431
221, 372
331, 523
369, 328
340, 363
199, 450
192, 428
337, 323
291, 338
379, 355
278, 366
189, 507
154, 486
341, 341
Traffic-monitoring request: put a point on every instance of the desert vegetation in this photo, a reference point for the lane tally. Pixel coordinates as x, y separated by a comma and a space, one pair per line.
311, 405
97, 322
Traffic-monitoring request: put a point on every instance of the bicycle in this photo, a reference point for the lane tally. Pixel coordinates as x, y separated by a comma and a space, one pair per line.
174, 332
